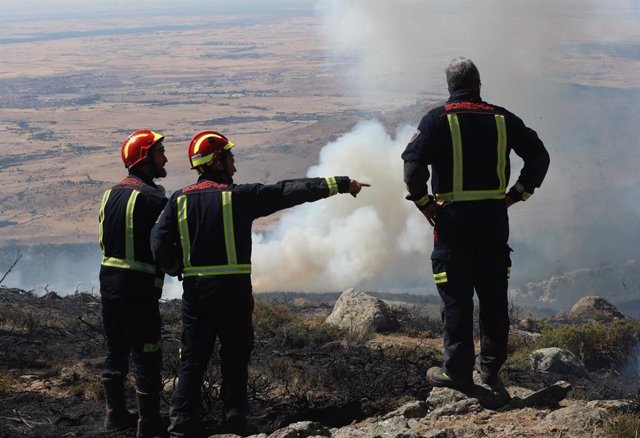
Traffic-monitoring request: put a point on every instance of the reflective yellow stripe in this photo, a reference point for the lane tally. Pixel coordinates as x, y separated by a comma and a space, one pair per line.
422, 201
128, 228
519, 187
198, 271
458, 193
156, 136
440, 277
105, 198
502, 151
332, 185
196, 147
183, 229
129, 264
202, 160
471, 195
229, 236
131, 140
151, 348
456, 143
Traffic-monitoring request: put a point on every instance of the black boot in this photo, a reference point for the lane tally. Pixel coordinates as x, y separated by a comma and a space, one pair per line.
117, 415
150, 424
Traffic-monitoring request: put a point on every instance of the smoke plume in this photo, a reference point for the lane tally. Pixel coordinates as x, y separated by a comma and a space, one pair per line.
541, 62
378, 238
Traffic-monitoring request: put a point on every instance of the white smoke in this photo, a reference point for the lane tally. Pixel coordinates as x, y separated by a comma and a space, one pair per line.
378, 238
527, 53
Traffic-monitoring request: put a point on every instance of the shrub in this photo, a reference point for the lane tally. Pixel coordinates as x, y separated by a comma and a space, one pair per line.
91, 390
597, 345
420, 321
6, 382
270, 319
625, 425
518, 350
16, 321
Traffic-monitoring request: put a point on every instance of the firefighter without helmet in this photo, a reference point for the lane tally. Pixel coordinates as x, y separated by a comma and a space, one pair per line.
137, 146
206, 146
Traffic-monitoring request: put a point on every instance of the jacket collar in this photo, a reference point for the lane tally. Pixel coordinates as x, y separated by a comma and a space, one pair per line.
133, 173
468, 95
216, 175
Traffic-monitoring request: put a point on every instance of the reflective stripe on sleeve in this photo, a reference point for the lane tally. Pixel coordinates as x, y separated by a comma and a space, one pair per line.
422, 201
440, 277
332, 185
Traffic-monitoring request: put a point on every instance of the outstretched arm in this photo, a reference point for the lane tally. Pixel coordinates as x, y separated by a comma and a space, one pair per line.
285, 194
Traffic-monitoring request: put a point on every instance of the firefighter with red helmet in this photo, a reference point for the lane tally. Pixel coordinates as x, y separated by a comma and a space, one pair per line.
131, 285
204, 233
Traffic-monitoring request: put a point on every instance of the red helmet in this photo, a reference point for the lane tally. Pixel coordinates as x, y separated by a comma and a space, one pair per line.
206, 146
136, 147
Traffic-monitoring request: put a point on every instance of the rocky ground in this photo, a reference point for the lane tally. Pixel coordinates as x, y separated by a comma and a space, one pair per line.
312, 378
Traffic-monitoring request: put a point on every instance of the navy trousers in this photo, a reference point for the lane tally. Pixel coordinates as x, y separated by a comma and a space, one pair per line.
471, 254
220, 310
132, 328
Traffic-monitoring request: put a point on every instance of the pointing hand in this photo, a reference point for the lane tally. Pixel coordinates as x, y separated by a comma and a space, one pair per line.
355, 187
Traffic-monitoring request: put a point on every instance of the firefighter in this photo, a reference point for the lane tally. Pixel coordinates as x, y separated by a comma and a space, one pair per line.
131, 285
204, 234
467, 143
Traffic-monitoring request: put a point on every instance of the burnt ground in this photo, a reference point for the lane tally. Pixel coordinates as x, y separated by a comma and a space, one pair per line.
52, 349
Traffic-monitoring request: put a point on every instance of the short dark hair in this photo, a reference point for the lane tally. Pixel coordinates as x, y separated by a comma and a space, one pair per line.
462, 73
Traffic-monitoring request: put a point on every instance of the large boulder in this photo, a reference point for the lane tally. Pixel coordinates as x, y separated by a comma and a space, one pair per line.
302, 429
594, 307
394, 427
556, 361
576, 418
355, 310
547, 397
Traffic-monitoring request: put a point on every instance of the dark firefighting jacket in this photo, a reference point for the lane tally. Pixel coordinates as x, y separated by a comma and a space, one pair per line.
467, 143
128, 211
205, 229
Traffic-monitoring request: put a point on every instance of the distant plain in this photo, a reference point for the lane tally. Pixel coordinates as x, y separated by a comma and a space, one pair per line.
69, 98
72, 90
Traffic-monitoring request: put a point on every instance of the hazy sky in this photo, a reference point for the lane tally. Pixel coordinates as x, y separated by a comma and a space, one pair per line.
67, 8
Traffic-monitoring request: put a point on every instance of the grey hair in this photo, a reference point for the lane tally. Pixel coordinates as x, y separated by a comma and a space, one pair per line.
462, 73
